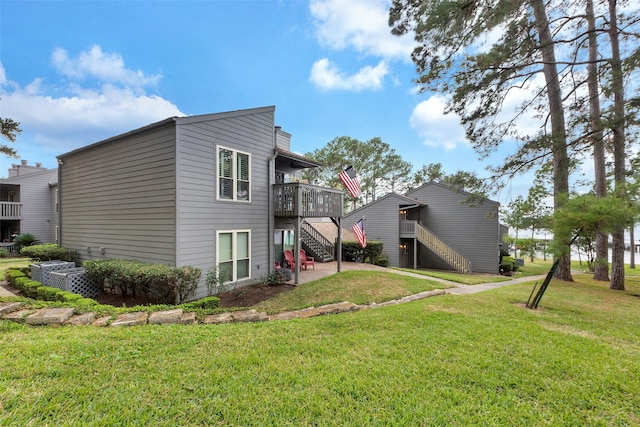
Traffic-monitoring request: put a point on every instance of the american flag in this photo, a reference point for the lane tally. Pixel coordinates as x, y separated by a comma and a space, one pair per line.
358, 228
350, 180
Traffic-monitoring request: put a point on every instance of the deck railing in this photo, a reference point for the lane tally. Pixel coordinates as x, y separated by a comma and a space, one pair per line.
10, 210
306, 200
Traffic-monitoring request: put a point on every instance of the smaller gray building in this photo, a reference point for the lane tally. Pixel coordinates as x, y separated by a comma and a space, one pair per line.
28, 203
434, 226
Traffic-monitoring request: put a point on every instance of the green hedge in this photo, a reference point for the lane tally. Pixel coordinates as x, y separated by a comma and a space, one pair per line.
158, 282
48, 252
30, 288
48, 293
507, 265
11, 275
351, 251
65, 296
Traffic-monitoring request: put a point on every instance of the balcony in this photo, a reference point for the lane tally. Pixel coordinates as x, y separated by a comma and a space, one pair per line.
408, 229
10, 210
304, 200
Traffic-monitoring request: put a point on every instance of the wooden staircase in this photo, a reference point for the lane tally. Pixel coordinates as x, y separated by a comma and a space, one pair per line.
315, 244
441, 249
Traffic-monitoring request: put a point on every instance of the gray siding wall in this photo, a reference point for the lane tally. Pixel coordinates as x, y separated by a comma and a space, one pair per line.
382, 223
36, 199
120, 195
471, 230
199, 214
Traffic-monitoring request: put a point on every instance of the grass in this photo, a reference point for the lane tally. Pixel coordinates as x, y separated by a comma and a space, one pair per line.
14, 262
358, 287
480, 359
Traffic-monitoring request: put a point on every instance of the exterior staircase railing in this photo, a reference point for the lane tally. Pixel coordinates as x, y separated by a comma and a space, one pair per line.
316, 245
444, 251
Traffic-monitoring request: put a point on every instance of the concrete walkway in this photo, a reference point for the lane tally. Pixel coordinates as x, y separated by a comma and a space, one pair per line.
326, 269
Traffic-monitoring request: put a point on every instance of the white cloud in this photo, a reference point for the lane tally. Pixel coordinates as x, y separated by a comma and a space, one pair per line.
436, 128
112, 103
326, 75
361, 25
106, 67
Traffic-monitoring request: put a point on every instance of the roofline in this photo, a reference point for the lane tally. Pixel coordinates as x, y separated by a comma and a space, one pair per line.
294, 156
175, 120
414, 203
223, 115
451, 188
153, 126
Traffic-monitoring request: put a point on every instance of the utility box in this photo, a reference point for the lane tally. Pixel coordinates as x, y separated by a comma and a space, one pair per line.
74, 280
40, 271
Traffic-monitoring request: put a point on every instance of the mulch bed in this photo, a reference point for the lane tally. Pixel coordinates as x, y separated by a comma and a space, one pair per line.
244, 297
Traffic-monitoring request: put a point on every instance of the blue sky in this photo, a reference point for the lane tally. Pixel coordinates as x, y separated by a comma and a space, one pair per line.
76, 72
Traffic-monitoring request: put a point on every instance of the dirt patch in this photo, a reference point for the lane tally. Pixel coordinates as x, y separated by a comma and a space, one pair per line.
251, 295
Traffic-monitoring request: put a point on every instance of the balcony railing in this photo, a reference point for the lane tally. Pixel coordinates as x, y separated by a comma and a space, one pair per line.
305, 200
10, 210
408, 229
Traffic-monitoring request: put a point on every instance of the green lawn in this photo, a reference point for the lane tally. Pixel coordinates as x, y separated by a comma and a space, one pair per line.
479, 359
358, 287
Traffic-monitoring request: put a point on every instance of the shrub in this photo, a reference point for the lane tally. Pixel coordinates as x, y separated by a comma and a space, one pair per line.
274, 278
507, 265
25, 239
11, 275
204, 303
351, 251
86, 302
48, 252
214, 281
161, 283
383, 260
20, 282
4, 253
48, 293
30, 288
185, 281
65, 296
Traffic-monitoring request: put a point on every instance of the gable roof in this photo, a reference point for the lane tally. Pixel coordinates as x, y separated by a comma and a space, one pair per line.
403, 202
453, 189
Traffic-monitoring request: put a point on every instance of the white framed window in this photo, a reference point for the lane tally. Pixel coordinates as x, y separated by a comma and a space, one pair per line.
234, 173
233, 255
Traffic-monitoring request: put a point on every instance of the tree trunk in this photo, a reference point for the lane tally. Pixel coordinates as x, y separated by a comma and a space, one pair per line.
619, 175
558, 133
632, 237
601, 268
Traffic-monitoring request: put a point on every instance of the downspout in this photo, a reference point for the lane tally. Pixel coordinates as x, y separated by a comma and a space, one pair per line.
272, 175
59, 201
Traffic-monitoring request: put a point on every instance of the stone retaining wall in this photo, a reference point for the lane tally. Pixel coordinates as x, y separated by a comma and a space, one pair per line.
16, 312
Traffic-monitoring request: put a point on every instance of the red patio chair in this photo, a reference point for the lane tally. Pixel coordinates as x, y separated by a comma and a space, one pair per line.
288, 256
307, 260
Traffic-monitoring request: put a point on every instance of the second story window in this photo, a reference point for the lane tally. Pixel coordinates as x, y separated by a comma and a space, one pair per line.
233, 175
